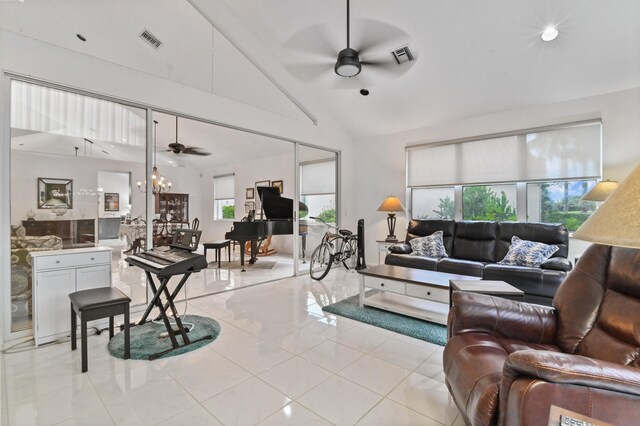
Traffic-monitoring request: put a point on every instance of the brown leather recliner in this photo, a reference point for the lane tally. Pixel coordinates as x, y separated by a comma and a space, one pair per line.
507, 362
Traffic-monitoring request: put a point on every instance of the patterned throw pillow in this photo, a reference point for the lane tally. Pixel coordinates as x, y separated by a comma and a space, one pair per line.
430, 246
527, 253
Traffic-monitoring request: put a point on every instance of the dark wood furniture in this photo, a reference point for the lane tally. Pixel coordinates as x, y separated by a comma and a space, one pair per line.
177, 205
73, 232
94, 304
217, 246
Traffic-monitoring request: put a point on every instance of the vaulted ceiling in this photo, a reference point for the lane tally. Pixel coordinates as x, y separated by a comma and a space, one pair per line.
472, 57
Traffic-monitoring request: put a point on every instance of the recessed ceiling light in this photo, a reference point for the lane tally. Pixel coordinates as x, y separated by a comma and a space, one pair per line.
364, 92
81, 37
549, 33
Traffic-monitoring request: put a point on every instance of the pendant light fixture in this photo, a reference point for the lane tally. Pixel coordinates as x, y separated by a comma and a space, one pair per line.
159, 183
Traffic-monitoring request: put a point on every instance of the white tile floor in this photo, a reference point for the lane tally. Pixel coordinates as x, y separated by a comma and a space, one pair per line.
279, 360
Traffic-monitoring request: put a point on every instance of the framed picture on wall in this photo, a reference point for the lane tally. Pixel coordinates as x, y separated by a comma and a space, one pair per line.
249, 194
278, 184
111, 202
55, 193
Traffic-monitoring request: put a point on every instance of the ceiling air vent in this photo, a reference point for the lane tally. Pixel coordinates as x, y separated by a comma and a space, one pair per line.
403, 55
150, 39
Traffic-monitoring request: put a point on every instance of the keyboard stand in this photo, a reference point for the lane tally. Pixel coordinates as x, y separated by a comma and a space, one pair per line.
156, 301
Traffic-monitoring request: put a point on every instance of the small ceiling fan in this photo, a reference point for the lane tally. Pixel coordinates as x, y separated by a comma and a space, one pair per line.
367, 58
178, 148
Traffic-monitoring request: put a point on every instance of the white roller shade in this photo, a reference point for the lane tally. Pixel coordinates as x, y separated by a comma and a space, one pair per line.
569, 152
564, 154
224, 187
318, 178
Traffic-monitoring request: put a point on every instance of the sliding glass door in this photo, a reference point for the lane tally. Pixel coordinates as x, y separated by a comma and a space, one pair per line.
73, 158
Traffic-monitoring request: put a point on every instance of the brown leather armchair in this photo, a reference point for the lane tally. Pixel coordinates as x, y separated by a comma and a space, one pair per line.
507, 362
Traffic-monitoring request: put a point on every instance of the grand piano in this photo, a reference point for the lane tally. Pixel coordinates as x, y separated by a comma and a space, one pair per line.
279, 221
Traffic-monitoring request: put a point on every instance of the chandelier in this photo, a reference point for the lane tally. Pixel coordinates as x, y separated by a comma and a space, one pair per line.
159, 183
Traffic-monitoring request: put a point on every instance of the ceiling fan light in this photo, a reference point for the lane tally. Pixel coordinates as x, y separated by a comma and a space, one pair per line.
348, 63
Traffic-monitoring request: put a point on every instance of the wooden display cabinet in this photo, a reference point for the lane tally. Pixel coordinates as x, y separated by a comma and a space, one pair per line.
177, 205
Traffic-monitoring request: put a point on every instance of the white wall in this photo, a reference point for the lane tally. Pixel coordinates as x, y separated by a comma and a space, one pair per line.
382, 171
118, 183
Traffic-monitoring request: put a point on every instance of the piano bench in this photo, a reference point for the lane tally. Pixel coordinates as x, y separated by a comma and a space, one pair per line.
217, 246
94, 304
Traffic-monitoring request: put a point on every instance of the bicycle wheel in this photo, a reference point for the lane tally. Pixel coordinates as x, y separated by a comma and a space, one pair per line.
321, 261
350, 254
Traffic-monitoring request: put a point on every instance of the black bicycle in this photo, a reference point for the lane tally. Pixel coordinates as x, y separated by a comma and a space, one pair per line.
335, 248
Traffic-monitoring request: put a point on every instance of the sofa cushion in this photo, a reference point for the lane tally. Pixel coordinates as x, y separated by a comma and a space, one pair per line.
412, 261
421, 228
548, 233
460, 266
527, 253
527, 279
400, 248
430, 246
475, 240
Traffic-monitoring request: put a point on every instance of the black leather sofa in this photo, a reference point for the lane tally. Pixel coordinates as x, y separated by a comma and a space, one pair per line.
476, 247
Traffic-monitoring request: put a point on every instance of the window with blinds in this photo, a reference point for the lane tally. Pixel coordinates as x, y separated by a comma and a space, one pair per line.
547, 170
567, 152
224, 197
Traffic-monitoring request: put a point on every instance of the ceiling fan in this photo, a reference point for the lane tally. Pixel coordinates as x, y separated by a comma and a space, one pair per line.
367, 58
178, 148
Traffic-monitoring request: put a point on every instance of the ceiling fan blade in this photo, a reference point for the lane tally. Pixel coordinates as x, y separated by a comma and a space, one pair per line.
309, 72
316, 41
370, 36
194, 150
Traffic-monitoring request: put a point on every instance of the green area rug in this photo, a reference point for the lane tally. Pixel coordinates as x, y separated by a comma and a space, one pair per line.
145, 339
413, 327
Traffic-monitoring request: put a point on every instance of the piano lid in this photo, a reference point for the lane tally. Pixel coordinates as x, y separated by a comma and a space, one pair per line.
275, 206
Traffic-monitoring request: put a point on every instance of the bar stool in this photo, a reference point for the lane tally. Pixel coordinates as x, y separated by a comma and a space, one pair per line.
94, 304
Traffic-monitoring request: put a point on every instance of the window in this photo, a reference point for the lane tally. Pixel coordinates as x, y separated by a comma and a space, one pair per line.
489, 202
224, 197
559, 202
545, 169
433, 203
318, 189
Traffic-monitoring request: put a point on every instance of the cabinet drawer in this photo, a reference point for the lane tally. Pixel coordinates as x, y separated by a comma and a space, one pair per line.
384, 284
72, 260
428, 292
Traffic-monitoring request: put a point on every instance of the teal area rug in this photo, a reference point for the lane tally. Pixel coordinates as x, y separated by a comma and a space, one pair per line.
145, 339
413, 327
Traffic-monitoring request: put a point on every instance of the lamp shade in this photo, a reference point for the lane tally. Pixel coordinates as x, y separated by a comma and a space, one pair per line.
601, 191
617, 221
391, 204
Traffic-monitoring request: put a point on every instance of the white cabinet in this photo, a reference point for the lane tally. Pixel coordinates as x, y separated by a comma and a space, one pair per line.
58, 273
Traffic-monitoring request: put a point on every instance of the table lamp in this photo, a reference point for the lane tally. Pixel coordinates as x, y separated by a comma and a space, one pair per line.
601, 191
391, 204
617, 221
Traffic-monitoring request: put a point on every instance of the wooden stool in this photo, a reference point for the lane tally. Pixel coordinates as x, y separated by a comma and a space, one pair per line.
217, 246
98, 303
